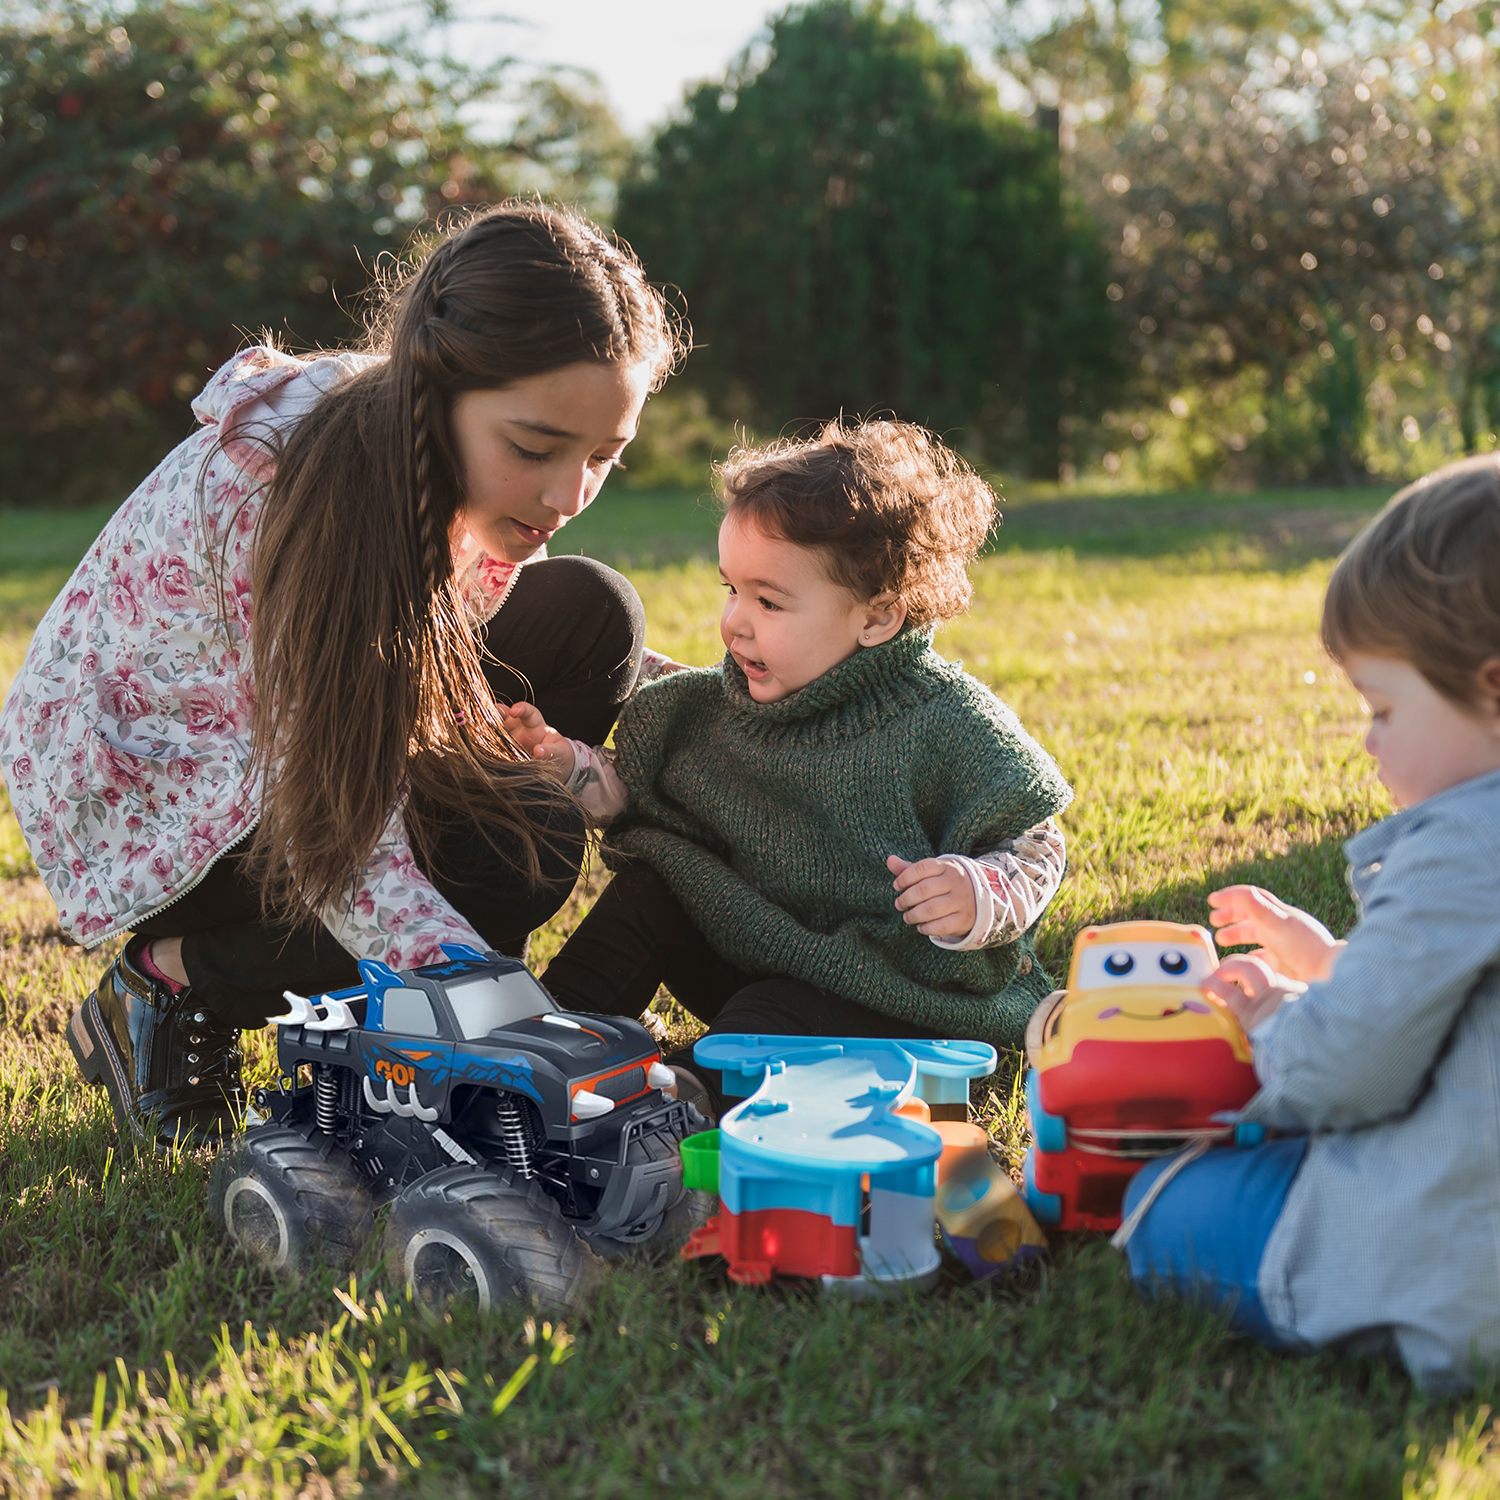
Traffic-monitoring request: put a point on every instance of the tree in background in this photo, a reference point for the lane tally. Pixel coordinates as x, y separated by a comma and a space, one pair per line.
175, 178
1455, 60
1305, 203
858, 227
1293, 247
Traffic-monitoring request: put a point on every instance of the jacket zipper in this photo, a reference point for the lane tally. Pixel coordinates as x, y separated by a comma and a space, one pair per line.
510, 583
130, 925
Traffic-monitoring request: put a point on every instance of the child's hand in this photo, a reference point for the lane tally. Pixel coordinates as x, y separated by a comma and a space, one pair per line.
535, 737
526, 726
936, 897
1250, 988
1292, 942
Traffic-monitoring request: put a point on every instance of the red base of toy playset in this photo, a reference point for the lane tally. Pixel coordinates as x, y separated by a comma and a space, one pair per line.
777, 1241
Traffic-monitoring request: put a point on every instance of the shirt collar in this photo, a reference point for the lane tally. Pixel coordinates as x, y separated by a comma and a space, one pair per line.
1371, 843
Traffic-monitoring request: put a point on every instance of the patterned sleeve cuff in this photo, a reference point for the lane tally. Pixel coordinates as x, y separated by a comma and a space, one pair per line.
596, 783
984, 907
583, 764
653, 665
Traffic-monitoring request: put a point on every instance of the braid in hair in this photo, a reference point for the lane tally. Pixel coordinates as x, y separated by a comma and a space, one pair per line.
431, 535
432, 540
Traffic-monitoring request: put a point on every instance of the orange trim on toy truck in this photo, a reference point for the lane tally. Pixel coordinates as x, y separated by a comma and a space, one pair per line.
592, 1084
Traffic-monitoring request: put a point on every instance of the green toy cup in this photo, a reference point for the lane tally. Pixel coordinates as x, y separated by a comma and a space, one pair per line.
700, 1161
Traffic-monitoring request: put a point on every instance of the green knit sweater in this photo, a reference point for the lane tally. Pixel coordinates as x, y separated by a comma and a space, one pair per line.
771, 822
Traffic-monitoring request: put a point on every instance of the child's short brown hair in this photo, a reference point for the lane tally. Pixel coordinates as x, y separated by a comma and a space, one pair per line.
1422, 581
891, 508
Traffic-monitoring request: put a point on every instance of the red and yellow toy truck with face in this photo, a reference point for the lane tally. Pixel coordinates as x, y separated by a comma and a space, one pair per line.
1130, 1062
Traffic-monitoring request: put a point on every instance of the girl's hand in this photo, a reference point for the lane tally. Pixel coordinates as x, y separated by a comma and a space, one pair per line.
1291, 941
936, 898
535, 737
1250, 988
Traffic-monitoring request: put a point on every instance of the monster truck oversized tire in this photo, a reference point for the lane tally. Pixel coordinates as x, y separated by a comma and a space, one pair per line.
288, 1196
487, 1237
690, 1213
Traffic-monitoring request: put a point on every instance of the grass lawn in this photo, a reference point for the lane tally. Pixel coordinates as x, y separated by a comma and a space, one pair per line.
1164, 649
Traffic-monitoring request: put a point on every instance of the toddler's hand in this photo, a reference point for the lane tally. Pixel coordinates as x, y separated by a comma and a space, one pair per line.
535, 737
936, 898
1291, 941
1250, 988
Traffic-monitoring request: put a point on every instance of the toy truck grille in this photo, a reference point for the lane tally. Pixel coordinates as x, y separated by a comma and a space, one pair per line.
618, 1086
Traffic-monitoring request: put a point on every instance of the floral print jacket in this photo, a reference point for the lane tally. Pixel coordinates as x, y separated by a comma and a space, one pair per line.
125, 738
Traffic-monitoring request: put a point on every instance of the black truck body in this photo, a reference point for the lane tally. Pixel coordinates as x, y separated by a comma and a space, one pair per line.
470, 1062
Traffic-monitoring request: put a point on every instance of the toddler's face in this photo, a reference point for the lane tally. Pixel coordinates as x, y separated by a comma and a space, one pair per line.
1424, 743
785, 621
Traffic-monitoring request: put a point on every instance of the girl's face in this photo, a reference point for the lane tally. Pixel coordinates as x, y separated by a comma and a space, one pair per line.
534, 453
1423, 742
786, 622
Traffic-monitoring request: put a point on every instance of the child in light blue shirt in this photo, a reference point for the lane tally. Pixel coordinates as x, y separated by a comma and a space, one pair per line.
1372, 1220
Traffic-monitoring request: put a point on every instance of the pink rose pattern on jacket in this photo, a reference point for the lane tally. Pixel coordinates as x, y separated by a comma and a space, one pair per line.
125, 738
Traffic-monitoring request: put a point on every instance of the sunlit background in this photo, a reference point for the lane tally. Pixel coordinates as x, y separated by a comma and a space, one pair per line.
1093, 242
642, 53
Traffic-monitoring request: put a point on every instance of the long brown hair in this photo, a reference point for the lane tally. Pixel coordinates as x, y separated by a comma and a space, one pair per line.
368, 685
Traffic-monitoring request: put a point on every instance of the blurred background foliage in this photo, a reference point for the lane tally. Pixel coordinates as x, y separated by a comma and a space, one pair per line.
176, 178
1302, 203
1239, 243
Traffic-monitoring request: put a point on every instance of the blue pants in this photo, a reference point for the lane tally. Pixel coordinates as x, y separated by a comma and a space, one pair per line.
1204, 1237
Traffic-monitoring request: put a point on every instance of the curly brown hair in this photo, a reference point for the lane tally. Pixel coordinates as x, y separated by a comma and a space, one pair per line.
890, 507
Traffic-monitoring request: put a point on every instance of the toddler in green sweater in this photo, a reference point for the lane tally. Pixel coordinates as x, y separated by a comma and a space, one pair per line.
834, 831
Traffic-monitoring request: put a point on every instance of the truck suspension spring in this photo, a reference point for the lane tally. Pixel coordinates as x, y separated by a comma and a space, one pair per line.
326, 1097
515, 1139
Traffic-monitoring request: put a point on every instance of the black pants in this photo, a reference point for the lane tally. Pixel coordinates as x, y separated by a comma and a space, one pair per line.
568, 639
638, 937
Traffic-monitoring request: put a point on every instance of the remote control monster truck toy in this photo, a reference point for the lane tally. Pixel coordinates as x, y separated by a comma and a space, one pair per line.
515, 1142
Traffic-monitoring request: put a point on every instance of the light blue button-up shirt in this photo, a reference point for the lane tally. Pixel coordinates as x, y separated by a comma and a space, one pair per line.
1391, 1231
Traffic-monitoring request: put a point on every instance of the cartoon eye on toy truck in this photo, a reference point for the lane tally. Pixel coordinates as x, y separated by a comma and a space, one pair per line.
1130, 1062
513, 1140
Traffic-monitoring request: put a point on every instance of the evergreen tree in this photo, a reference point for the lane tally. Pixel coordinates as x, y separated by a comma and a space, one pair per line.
857, 226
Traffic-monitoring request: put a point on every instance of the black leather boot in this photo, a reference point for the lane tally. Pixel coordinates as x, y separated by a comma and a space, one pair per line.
171, 1068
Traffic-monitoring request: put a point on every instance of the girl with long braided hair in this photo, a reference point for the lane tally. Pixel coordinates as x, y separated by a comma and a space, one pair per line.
281, 718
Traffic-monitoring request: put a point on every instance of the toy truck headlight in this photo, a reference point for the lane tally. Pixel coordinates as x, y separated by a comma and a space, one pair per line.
587, 1105
660, 1076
